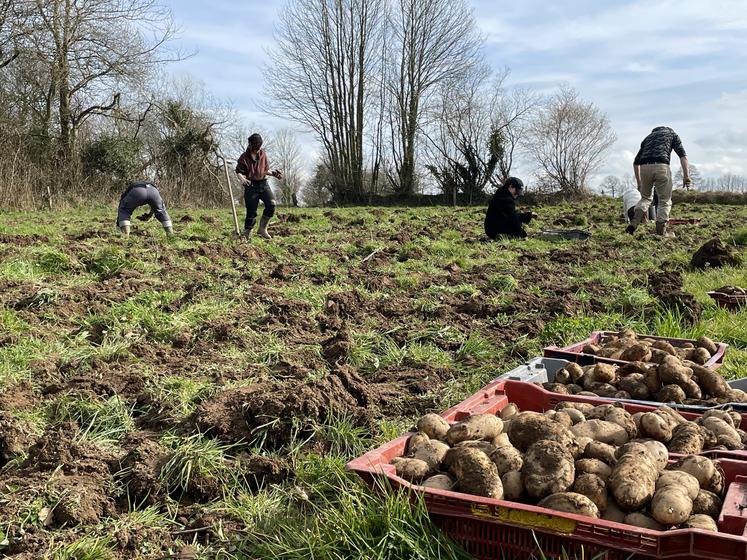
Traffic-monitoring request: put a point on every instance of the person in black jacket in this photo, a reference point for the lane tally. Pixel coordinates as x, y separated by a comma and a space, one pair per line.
502, 217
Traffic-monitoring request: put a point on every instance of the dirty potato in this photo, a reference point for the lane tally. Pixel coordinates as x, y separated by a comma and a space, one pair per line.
474, 472
548, 468
570, 502
477, 426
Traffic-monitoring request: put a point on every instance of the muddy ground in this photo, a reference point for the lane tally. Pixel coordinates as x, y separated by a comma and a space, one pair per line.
363, 318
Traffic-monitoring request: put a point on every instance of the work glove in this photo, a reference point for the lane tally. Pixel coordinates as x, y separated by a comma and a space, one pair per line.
535, 215
277, 174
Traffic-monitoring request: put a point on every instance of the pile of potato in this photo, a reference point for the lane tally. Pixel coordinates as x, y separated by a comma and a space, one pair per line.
656, 371
598, 461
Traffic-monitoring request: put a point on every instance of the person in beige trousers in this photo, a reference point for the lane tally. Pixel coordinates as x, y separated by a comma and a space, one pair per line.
652, 171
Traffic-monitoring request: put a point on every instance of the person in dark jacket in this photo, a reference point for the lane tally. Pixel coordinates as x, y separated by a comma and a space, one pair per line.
502, 217
140, 194
252, 168
652, 171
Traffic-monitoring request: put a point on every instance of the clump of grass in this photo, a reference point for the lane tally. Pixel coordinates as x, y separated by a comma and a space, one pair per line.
371, 351
503, 282
476, 347
343, 437
53, 262
181, 394
191, 457
85, 548
103, 421
107, 261
739, 237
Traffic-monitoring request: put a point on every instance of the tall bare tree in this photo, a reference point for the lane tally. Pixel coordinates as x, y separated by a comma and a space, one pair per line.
320, 74
432, 41
286, 155
568, 140
87, 51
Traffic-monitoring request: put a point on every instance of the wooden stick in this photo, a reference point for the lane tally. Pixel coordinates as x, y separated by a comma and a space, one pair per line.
233, 202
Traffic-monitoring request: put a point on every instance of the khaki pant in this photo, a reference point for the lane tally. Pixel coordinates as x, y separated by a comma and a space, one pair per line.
659, 176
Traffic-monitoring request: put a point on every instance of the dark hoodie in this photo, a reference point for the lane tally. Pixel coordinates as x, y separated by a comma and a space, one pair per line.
502, 217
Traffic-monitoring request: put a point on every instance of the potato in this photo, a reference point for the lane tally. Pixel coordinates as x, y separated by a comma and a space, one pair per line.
672, 372
501, 440
624, 395
576, 416
559, 416
556, 388
638, 519
474, 472
633, 479
707, 503
658, 356
434, 426
486, 447
548, 468
724, 415
439, 482
686, 439
652, 380
416, 440
601, 430
708, 344
529, 427
655, 425
664, 346
591, 349
616, 415
412, 470
717, 483
576, 389
570, 502
507, 459
634, 385
477, 426
710, 381
736, 395
613, 512
692, 390
603, 389
513, 487
674, 416
432, 452
593, 466
563, 376
725, 434
671, 505
658, 451
583, 408
575, 371
699, 521
594, 488
508, 411
671, 394
601, 451
686, 482
698, 355
582, 443
702, 468
687, 345
636, 353
603, 373
627, 334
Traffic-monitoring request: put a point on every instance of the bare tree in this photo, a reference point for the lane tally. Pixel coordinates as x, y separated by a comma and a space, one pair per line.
88, 50
320, 75
568, 140
612, 185
432, 42
286, 155
513, 112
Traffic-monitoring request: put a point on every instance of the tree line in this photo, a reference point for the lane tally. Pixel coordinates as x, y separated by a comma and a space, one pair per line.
397, 93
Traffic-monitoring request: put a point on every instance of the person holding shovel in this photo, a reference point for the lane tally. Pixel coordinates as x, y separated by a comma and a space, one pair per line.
651, 167
252, 168
140, 194
501, 217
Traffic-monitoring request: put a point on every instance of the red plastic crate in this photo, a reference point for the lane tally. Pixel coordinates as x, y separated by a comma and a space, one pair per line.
732, 302
574, 352
497, 529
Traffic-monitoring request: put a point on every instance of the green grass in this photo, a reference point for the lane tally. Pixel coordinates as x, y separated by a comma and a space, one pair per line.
86, 548
105, 421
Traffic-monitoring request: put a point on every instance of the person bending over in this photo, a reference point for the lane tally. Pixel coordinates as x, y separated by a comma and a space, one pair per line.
140, 194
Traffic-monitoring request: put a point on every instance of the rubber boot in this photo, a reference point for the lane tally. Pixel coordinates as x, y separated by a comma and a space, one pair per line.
263, 221
125, 229
636, 221
169, 230
661, 229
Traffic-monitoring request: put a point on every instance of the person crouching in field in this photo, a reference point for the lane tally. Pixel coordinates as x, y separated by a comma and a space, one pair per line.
140, 194
502, 217
252, 169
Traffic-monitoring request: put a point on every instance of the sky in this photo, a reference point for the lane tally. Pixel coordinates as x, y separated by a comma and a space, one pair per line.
679, 63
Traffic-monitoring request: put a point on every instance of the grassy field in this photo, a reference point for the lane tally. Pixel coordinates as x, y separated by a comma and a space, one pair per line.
199, 397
